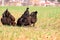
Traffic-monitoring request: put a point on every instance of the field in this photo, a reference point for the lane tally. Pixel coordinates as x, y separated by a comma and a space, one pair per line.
47, 26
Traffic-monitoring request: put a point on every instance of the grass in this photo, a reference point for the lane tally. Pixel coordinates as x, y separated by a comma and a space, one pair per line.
46, 28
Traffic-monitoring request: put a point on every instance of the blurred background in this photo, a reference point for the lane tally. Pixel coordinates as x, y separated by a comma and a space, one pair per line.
29, 2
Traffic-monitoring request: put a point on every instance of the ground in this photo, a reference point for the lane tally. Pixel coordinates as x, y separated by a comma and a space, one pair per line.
46, 28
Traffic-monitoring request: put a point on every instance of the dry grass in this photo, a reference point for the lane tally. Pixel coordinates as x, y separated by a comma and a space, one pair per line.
46, 28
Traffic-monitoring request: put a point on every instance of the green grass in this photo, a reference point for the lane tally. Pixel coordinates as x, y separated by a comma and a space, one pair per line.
47, 11
47, 26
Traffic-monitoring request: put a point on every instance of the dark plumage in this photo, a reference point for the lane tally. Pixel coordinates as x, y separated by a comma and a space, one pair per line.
27, 19
33, 17
21, 21
7, 18
26, 13
6, 21
6, 13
